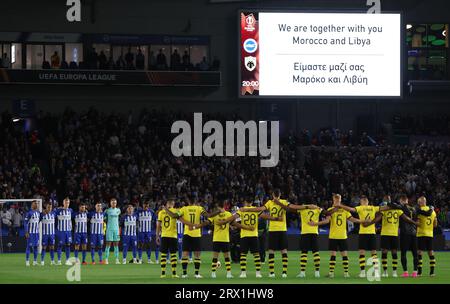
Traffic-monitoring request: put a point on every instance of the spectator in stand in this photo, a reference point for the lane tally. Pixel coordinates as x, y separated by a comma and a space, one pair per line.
120, 63
186, 60
410, 186
6, 218
17, 220
110, 65
161, 61
203, 65
55, 61
5, 61
73, 65
352, 139
152, 61
305, 138
64, 65
12, 210
175, 61
129, 59
92, 59
140, 60
102, 61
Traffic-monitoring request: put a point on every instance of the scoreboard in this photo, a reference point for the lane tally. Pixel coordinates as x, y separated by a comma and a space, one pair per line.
295, 54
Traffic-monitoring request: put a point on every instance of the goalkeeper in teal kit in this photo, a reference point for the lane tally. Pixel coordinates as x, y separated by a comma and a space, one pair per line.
112, 230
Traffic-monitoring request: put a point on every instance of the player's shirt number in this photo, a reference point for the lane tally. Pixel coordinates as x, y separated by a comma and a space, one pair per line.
392, 217
250, 219
339, 220
275, 212
310, 214
166, 221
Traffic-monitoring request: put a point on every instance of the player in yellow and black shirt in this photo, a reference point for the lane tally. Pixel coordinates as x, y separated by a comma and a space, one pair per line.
367, 235
309, 238
190, 215
389, 233
309, 234
249, 238
425, 228
337, 219
221, 237
166, 237
277, 230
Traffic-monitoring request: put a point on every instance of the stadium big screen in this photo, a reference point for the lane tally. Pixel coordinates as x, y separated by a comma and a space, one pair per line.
293, 54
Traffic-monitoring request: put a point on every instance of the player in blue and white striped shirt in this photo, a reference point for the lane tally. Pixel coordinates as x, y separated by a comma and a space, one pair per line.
64, 229
146, 218
48, 233
80, 236
31, 224
129, 234
97, 237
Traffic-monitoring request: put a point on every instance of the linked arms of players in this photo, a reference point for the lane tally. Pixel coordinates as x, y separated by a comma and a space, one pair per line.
221, 222
178, 217
328, 218
265, 216
232, 221
379, 216
353, 210
295, 208
289, 207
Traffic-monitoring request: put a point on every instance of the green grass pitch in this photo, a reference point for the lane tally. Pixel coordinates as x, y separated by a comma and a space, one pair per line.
13, 270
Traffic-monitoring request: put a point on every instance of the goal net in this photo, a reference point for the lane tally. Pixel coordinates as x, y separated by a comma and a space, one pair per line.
12, 218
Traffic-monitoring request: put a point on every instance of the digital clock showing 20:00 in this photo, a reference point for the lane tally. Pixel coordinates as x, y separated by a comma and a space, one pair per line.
246, 83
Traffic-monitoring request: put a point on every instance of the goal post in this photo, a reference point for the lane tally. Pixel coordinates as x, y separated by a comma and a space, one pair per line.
21, 201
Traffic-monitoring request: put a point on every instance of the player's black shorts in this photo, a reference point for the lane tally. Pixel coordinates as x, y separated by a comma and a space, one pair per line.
221, 247
389, 242
249, 244
337, 245
309, 242
367, 242
169, 244
278, 240
425, 243
408, 242
192, 243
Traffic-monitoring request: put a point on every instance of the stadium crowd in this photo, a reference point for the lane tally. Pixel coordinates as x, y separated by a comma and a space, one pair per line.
92, 156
